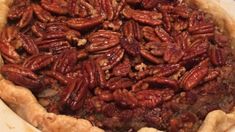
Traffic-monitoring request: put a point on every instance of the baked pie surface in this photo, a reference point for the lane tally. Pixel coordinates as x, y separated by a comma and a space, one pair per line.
173, 103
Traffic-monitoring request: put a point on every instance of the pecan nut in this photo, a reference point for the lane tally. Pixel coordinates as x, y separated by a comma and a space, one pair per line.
161, 71
26, 17
147, 55
58, 76
163, 35
217, 56
58, 6
132, 31
152, 98
132, 48
90, 71
125, 98
118, 83
17, 10
173, 53
22, 76
8, 34
157, 82
55, 46
38, 61
122, 69
102, 40
106, 8
75, 93
193, 77
111, 58
42, 14
150, 34
9, 53
66, 61
197, 48
84, 23
147, 17
38, 28
28, 44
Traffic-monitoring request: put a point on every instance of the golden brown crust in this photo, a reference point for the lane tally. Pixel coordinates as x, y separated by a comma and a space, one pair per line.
4, 10
22, 101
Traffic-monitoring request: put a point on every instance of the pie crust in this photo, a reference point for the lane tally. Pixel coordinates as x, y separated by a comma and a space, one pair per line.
23, 102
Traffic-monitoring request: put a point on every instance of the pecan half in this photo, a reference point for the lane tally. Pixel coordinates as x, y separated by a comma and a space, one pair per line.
74, 94
193, 77
133, 1
125, 98
90, 71
58, 6
8, 34
221, 40
217, 56
38, 28
9, 53
122, 69
73, 7
204, 30
111, 58
66, 61
212, 74
42, 14
163, 35
173, 53
38, 61
106, 8
22, 76
132, 48
183, 40
84, 23
152, 98
180, 25
102, 40
149, 4
118, 83
147, 17
160, 70
182, 11
157, 82
147, 55
26, 17
28, 44
55, 46
18, 9
58, 76
197, 48
149, 34
132, 31
104, 95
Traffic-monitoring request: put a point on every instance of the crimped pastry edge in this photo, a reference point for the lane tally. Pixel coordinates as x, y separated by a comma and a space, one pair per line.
23, 102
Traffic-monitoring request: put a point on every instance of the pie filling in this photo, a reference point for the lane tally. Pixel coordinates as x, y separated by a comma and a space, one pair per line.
121, 64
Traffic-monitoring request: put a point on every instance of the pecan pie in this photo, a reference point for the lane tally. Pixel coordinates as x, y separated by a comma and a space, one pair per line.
120, 64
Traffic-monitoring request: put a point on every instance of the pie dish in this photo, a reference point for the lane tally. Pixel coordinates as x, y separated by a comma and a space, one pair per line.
24, 103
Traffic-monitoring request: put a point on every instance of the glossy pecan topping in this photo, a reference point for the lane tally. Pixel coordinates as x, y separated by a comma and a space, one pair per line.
193, 77
75, 93
84, 23
122, 64
22, 76
147, 17
38, 61
103, 40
